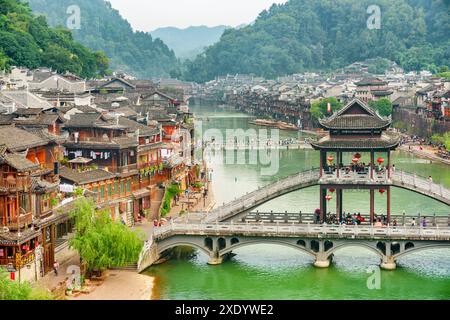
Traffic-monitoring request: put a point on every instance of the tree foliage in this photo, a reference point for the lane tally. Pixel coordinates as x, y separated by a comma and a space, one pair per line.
27, 41
104, 29
304, 35
319, 109
383, 106
13, 290
442, 139
101, 242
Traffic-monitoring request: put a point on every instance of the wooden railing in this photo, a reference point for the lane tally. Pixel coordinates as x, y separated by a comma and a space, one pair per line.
13, 182
24, 220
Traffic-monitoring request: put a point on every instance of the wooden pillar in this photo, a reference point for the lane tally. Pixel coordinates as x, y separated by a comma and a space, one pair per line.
372, 163
323, 203
372, 205
389, 164
389, 205
322, 156
339, 199
338, 164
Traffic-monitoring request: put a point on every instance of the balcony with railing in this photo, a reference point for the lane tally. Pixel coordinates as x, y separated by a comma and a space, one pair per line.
131, 168
24, 260
14, 223
351, 175
10, 181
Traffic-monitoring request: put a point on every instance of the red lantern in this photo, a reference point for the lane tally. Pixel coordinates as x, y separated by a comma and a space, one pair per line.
358, 156
382, 191
380, 160
330, 159
332, 190
355, 160
328, 197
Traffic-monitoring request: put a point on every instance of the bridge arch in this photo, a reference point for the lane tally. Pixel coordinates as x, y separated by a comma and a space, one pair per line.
422, 248
162, 248
342, 245
247, 243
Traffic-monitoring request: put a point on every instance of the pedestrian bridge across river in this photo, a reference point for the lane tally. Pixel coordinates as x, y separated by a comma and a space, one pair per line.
218, 240
307, 179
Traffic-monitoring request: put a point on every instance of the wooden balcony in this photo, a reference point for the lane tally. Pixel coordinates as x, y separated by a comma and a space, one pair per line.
348, 176
25, 259
12, 182
25, 220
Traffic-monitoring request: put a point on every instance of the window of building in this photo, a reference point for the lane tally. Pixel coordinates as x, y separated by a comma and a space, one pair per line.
122, 187
109, 190
102, 192
128, 186
25, 202
116, 187
45, 203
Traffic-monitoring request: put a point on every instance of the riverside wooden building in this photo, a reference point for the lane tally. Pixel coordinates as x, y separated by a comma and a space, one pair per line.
29, 181
356, 155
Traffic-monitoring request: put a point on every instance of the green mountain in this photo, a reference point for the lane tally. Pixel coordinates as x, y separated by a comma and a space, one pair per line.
189, 42
303, 35
27, 41
103, 28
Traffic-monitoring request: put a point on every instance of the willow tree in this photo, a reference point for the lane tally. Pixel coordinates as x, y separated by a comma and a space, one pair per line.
101, 242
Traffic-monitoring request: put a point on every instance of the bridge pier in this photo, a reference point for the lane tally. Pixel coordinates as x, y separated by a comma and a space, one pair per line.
215, 261
323, 259
388, 263
322, 262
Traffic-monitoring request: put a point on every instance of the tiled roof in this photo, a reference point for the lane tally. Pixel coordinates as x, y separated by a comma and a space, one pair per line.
28, 111
143, 129
19, 162
6, 119
385, 141
86, 176
84, 120
370, 81
357, 122
355, 115
40, 185
17, 139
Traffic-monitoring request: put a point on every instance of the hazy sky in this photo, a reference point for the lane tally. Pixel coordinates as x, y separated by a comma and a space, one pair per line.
147, 15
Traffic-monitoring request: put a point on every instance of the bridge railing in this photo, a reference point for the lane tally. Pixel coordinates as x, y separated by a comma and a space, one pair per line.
305, 217
424, 184
248, 200
276, 230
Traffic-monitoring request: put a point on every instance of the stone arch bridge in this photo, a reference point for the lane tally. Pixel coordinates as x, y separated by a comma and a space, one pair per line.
319, 241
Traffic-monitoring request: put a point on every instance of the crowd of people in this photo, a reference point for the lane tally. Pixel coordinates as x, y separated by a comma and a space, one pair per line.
379, 221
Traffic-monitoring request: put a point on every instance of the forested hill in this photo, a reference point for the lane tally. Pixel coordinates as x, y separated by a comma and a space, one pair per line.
103, 28
306, 35
27, 41
189, 42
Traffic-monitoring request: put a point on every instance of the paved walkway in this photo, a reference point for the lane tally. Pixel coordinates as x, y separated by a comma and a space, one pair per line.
426, 152
199, 204
51, 281
121, 285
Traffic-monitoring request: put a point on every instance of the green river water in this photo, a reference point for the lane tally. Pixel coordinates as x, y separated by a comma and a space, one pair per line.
276, 272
